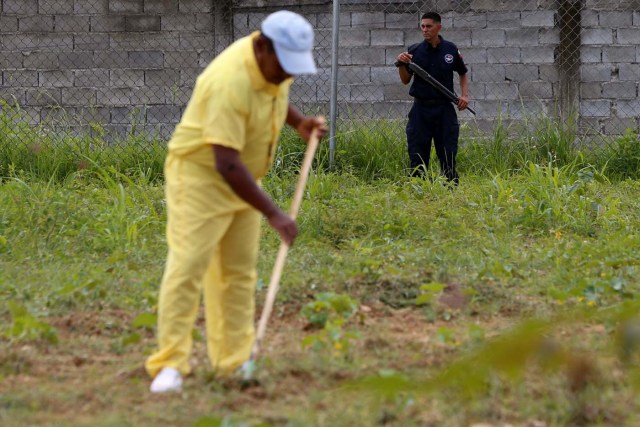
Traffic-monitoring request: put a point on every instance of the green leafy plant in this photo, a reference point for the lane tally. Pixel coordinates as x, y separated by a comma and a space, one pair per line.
559, 198
143, 321
25, 327
328, 306
428, 292
623, 155
529, 345
330, 313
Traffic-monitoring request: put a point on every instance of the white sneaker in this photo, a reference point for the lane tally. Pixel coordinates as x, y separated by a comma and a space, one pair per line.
169, 379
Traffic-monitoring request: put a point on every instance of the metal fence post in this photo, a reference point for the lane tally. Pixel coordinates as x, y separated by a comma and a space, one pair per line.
333, 102
568, 55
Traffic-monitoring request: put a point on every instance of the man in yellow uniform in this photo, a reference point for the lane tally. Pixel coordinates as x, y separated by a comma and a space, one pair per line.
220, 150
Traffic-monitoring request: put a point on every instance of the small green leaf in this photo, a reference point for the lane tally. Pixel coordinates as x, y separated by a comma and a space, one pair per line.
433, 287
132, 338
145, 320
424, 299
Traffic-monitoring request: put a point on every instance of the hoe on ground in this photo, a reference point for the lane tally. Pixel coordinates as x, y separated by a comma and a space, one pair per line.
248, 369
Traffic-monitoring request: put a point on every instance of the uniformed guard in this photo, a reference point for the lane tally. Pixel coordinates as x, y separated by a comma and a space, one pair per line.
432, 116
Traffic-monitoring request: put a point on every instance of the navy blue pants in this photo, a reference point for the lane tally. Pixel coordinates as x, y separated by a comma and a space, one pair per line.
437, 122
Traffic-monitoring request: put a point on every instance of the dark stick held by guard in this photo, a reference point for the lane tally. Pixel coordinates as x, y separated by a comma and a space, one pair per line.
436, 84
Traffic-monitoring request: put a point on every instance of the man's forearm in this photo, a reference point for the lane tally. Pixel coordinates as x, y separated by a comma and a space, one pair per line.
405, 76
464, 85
236, 174
294, 117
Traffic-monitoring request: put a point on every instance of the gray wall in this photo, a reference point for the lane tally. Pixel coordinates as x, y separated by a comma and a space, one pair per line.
130, 64
526, 57
126, 64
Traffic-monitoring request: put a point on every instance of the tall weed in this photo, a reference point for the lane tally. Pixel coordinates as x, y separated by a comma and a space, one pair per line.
512, 145
557, 198
551, 140
372, 150
55, 153
490, 154
622, 156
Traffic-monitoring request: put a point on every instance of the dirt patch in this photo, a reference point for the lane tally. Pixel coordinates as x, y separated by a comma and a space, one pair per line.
106, 322
91, 376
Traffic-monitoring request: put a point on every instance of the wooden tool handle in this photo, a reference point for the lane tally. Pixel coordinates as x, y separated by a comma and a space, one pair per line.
274, 283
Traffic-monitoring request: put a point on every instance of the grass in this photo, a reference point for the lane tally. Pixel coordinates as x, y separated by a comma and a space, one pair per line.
55, 153
372, 151
509, 299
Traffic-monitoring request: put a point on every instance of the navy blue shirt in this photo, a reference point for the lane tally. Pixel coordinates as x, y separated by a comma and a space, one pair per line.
440, 61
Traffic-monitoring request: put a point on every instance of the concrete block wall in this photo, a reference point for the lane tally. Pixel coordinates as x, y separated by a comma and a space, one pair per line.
610, 70
131, 64
123, 64
509, 54
518, 65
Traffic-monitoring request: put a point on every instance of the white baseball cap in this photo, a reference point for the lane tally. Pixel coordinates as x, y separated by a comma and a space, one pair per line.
292, 37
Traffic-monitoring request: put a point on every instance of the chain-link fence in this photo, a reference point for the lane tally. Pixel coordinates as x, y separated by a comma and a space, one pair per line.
123, 70
80, 74
568, 60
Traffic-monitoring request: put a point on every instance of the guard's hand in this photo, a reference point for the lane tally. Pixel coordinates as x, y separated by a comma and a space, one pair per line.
284, 225
404, 57
306, 126
463, 102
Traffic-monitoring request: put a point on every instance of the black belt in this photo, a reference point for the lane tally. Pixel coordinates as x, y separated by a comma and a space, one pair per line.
430, 101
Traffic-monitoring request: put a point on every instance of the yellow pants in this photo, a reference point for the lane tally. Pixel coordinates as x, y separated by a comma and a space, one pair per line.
213, 248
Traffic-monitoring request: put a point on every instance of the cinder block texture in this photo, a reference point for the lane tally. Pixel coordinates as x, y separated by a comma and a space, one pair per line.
136, 61
19, 7
55, 7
